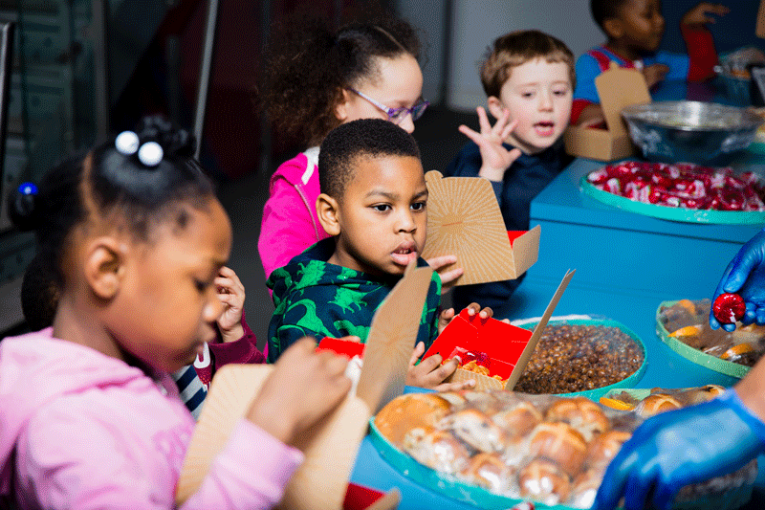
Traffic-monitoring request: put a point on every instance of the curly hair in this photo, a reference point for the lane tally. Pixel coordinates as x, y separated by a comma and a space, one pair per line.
372, 138
517, 48
308, 65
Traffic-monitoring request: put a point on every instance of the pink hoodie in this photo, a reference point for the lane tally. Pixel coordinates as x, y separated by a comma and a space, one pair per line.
289, 222
79, 429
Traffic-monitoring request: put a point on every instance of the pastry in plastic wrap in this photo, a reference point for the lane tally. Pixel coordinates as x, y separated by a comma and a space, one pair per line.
660, 400
543, 480
419, 409
688, 322
544, 448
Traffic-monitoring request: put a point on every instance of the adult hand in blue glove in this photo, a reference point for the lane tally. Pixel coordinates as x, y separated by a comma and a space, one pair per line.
677, 448
745, 275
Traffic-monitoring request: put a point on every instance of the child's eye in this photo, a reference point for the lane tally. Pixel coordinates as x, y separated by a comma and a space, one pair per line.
381, 207
419, 206
560, 92
200, 285
527, 95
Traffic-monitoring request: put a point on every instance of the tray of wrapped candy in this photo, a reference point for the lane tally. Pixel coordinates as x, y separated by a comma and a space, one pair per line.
493, 449
684, 326
680, 192
586, 357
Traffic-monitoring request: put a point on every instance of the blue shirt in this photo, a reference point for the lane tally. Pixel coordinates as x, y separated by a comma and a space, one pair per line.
588, 68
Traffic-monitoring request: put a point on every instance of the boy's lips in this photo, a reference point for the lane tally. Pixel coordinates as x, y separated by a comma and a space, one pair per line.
404, 253
544, 128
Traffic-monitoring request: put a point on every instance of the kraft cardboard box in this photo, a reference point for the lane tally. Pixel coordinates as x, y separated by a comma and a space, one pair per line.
617, 89
330, 451
503, 349
464, 219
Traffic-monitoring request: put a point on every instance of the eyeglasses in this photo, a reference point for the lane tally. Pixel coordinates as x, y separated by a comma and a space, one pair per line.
397, 115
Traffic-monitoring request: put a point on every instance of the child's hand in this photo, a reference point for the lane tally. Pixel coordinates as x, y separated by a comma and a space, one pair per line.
304, 387
430, 373
495, 159
448, 278
700, 15
473, 308
231, 293
654, 74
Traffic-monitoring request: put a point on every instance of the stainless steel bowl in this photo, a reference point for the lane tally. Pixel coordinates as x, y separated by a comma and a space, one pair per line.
706, 133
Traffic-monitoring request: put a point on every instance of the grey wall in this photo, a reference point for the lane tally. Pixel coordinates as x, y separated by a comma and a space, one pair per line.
475, 25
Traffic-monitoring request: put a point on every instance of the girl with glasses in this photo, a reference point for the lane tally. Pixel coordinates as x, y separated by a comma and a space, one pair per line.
316, 79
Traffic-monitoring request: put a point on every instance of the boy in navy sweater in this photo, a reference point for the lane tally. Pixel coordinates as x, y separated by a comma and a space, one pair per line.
528, 78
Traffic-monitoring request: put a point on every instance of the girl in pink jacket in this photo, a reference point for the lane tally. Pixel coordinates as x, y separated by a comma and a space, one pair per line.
135, 239
317, 79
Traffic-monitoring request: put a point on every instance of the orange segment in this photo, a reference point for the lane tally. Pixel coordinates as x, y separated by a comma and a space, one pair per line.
686, 331
688, 305
737, 350
619, 405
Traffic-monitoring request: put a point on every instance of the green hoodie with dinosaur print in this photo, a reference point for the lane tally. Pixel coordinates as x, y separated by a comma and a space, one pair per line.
315, 298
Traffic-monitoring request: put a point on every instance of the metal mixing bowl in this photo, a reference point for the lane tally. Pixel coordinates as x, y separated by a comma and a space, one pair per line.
705, 133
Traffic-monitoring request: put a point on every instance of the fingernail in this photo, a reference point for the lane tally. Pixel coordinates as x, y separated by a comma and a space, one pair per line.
458, 360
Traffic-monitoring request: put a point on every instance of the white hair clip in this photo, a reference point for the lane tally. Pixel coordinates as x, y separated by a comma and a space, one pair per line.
126, 143
150, 154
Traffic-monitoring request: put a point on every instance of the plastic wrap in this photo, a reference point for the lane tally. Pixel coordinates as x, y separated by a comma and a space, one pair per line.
548, 449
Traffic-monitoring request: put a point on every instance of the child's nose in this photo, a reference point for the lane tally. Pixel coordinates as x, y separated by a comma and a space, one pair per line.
406, 222
407, 124
213, 309
545, 101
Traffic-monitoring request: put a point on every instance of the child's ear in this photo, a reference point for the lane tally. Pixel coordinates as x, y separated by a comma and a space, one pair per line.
613, 28
104, 266
342, 106
328, 211
495, 107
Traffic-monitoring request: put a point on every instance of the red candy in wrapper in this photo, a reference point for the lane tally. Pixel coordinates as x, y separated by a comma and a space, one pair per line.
728, 308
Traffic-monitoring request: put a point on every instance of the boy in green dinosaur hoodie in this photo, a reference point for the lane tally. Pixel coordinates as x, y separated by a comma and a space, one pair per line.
373, 204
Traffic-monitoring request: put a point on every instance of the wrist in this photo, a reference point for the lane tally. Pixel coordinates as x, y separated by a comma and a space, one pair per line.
493, 174
233, 334
747, 414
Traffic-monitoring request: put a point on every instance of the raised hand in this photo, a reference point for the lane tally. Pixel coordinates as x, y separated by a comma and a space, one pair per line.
495, 158
231, 293
700, 14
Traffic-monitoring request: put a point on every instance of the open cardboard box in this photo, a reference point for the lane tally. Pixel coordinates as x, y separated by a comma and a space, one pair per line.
617, 89
464, 219
502, 348
330, 451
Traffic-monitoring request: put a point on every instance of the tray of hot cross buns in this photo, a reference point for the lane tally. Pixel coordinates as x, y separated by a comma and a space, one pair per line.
495, 448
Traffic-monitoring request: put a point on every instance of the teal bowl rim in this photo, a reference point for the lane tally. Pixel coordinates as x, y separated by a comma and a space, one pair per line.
628, 382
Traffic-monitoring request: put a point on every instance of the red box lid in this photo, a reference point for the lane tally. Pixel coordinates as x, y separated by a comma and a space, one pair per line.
502, 342
359, 497
346, 348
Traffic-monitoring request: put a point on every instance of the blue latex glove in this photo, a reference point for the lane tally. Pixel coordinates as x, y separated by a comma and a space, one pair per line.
745, 275
677, 448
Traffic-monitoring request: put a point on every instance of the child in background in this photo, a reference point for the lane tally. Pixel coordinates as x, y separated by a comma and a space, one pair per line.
373, 204
91, 419
234, 343
634, 29
317, 79
528, 77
